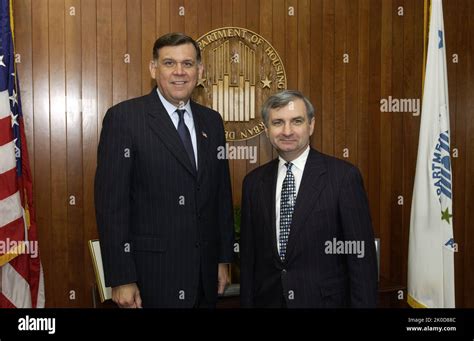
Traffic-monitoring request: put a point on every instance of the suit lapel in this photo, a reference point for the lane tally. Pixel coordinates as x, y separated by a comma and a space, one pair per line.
201, 138
161, 124
312, 183
268, 191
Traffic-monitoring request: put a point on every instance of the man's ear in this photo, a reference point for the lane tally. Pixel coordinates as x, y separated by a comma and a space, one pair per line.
311, 126
200, 70
152, 67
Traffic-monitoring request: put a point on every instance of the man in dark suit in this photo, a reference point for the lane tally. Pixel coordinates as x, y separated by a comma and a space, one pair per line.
163, 198
306, 233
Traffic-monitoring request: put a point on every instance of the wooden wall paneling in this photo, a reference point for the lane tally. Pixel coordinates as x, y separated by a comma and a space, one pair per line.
363, 98
266, 31
76, 242
386, 194
469, 194
399, 77
413, 56
148, 39
227, 11
373, 184
304, 46
316, 64
104, 59
162, 19
59, 194
41, 132
328, 78
291, 43
352, 86
203, 12
253, 23
216, 13
339, 137
119, 49
89, 133
191, 18
134, 34
176, 20
22, 18
239, 12
280, 11
239, 19
396, 143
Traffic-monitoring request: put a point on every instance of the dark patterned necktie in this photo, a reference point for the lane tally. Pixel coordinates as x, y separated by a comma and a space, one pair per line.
287, 204
185, 136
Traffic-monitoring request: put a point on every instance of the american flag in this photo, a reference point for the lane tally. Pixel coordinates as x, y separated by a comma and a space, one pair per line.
21, 274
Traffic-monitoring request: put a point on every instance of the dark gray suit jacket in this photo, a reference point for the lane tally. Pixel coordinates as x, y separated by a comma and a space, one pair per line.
331, 203
161, 224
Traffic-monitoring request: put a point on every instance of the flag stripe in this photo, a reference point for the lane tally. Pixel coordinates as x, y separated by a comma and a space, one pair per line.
4, 302
10, 209
8, 184
5, 130
14, 287
4, 104
7, 157
14, 230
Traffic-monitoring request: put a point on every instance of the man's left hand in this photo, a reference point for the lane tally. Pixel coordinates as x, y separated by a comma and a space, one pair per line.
222, 277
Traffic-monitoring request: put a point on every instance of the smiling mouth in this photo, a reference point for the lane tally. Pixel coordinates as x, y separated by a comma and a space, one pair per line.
178, 82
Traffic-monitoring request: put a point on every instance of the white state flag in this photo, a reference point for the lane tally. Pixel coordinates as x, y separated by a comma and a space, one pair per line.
431, 246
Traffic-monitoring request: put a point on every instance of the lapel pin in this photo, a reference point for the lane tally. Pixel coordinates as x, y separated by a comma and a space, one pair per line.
204, 134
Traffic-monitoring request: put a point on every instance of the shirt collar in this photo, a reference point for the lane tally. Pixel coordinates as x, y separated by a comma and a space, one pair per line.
171, 108
299, 162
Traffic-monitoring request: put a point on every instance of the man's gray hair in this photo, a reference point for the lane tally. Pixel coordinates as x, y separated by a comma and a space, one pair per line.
281, 99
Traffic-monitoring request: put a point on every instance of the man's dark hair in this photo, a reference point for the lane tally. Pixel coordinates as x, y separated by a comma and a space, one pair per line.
175, 39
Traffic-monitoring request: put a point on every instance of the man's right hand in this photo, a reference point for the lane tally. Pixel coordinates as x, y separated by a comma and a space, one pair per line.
127, 296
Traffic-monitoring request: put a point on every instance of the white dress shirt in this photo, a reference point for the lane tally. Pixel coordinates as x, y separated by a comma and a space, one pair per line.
297, 170
188, 120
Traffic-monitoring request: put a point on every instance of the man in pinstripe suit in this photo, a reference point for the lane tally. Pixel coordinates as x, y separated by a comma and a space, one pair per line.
163, 198
306, 232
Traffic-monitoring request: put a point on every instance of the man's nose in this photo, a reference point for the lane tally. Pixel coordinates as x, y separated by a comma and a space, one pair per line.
287, 130
179, 69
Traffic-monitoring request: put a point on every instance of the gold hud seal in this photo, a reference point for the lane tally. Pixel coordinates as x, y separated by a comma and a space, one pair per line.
241, 69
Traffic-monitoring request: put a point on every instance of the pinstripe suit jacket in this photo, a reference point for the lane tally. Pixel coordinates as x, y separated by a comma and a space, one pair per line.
159, 222
331, 203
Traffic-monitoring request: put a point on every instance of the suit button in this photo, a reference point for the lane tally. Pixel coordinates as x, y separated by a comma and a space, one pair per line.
198, 244
198, 188
283, 272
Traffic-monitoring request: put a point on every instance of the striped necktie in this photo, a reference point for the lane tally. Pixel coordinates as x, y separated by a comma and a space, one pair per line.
185, 136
